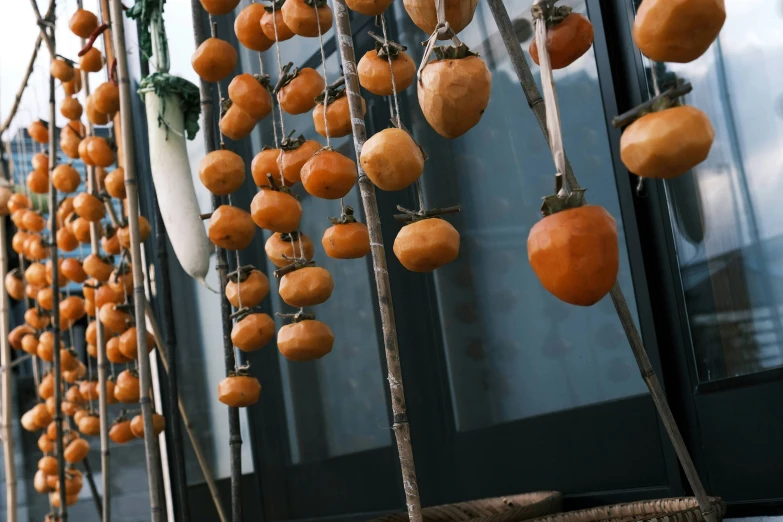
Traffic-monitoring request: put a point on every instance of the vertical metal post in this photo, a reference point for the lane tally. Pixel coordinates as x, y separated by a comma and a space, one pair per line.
401, 426
535, 101
139, 298
210, 142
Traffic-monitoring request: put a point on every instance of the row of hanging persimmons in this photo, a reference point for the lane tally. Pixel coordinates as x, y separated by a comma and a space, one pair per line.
391, 159
106, 286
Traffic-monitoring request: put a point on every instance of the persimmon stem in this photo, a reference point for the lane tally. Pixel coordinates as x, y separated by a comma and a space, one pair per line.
293, 267
410, 216
666, 97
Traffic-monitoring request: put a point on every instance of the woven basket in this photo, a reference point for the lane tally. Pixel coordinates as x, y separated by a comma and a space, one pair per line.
684, 509
514, 508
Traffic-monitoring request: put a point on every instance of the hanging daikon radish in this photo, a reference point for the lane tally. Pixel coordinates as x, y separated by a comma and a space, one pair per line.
173, 108
166, 98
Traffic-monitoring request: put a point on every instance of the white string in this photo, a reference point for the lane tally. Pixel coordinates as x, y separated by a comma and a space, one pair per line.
442, 29
550, 102
326, 77
395, 113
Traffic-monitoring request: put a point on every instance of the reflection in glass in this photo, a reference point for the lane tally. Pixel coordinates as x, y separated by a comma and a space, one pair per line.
726, 214
513, 350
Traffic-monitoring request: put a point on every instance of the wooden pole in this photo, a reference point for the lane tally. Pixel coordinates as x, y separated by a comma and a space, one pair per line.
139, 298
535, 101
383, 287
208, 124
200, 457
91, 483
95, 235
9, 457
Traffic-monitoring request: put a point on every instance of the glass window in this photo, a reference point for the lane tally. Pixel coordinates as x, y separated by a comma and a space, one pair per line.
513, 350
725, 215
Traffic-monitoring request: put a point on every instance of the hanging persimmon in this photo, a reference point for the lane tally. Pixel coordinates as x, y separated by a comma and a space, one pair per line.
346, 238
64, 208
253, 332
44, 444
282, 248
100, 153
308, 286
61, 279
237, 124
90, 424
17, 334
107, 98
392, 160
91, 61
214, 59
14, 284
307, 18
68, 360
65, 178
454, 90
70, 145
38, 181
247, 27
128, 343
375, 75
69, 500
423, 246
121, 280
73, 395
574, 250
667, 143
39, 483
113, 353
30, 344
36, 319
222, 171
248, 287
95, 116
106, 294
266, 162
41, 415
239, 390
305, 340
120, 431
75, 375
33, 221
98, 267
73, 87
368, 7
45, 298
276, 210
250, 92
273, 25
48, 465
73, 477
137, 425
294, 154
115, 183
40, 161
72, 269
300, 88
459, 14
18, 241
88, 390
678, 32
88, 289
61, 70
71, 109
231, 228
568, 37
46, 387
72, 309
127, 388
328, 175
219, 7
338, 116
17, 217
17, 201
80, 228
39, 132
76, 452
92, 350
115, 320
83, 23
110, 243
123, 234
28, 422
36, 248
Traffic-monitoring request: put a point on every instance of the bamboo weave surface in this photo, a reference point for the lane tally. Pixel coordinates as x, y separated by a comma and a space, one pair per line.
681, 509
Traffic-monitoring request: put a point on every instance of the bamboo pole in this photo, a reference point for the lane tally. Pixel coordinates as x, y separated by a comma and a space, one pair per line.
200, 457
20, 92
388, 323
139, 298
210, 144
9, 457
535, 101
95, 234
180, 479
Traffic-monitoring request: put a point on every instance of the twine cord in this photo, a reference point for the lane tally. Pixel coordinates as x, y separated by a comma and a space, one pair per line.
442, 29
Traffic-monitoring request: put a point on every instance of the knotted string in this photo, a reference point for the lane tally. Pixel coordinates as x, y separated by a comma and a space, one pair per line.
443, 29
